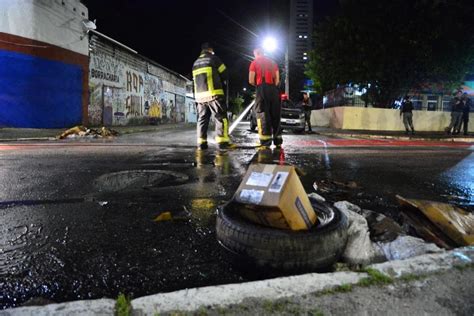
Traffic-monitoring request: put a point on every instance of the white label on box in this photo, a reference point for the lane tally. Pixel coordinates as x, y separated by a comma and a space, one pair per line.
259, 179
278, 182
251, 196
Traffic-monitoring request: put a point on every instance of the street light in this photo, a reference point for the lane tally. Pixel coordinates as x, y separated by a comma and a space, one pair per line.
269, 44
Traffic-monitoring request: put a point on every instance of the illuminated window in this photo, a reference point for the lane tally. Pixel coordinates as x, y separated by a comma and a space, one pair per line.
432, 104
446, 103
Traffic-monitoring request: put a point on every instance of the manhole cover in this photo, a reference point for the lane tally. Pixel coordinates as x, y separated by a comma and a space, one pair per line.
133, 180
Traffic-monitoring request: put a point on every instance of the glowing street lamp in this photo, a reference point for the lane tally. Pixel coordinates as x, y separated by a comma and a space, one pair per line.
269, 44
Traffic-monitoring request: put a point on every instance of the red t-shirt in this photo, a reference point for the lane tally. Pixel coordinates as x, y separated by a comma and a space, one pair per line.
267, 65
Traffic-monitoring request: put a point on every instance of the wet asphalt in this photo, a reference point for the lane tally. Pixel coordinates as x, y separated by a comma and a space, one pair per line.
79, 217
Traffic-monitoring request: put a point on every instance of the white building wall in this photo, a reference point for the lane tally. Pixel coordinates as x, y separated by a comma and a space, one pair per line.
55, 22
125, 89
357, 118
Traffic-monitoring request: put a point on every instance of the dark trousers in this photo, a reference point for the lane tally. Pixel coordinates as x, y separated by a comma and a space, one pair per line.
268, 109
219, 109
307, 119
465, 122
455, 125
408, 120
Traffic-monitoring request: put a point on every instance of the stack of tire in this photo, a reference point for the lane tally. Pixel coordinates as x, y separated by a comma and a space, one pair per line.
307, 250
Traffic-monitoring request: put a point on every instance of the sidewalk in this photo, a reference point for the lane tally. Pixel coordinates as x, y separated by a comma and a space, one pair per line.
41, 134
398, 135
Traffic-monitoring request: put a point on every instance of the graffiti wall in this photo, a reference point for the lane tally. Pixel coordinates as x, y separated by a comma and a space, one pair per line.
125, 90
191, 111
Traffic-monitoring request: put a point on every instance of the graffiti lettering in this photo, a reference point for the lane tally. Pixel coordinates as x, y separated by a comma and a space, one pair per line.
134, 105
104, 75
134, 82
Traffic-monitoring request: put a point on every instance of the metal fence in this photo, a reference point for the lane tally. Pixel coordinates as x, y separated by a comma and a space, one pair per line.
347, 96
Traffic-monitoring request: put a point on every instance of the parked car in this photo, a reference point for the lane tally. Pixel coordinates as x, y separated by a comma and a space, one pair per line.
292, 117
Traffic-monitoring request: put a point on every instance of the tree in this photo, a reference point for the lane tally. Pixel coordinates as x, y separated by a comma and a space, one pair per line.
297, 79
389, 47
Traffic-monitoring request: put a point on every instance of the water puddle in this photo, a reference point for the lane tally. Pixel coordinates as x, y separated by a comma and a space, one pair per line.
8, 204
18, 244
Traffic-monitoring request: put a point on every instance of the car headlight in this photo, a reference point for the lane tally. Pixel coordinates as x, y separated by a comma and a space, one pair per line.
301, 115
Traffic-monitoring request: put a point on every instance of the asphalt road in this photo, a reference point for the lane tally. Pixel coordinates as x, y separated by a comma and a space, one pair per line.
78, 216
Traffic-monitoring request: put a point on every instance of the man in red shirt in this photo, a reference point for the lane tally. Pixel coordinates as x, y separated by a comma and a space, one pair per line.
264, 74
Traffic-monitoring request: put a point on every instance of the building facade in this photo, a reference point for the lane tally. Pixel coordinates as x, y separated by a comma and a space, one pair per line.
301, 30
44, 63
128, 89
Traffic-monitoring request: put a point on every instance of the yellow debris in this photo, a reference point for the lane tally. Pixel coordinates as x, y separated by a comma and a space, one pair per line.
165, 216
453, 221
76, 130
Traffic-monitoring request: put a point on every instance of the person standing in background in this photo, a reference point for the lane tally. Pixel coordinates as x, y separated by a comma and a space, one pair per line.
306, 105
456, 114
465, 111
265, 76
406, 110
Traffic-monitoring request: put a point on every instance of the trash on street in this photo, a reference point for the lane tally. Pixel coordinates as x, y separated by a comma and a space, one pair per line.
165, 216
271, 248
272, 195
317, 197
326, 186
359, 247
405, 247
82, 131
381, 227
444, 224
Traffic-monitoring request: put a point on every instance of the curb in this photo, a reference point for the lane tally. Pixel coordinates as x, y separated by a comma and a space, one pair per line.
122, 131
25, 139
374, 136
225, 295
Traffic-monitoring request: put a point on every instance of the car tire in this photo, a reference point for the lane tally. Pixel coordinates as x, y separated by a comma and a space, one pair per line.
280, 249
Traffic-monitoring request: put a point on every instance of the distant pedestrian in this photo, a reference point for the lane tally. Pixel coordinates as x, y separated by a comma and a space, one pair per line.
407, 111
306, 104
285, 102
209, 74
456, 105
467, 102
264, 75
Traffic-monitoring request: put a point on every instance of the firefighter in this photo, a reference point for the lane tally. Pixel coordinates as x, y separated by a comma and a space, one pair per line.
264, 75
209, 75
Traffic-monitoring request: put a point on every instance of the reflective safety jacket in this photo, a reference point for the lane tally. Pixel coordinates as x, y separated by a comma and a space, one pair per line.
208, 74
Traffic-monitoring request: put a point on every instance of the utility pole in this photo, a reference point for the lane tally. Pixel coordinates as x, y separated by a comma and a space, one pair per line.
227, 98
287, 73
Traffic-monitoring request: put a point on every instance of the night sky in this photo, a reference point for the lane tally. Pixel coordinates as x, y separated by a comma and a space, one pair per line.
171, 32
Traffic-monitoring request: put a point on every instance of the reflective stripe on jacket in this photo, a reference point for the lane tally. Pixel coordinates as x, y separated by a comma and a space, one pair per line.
208, 75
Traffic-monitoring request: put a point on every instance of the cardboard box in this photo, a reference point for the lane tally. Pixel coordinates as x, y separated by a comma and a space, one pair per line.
272, 195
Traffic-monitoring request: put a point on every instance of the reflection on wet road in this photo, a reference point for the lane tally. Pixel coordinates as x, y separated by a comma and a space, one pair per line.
78, 219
